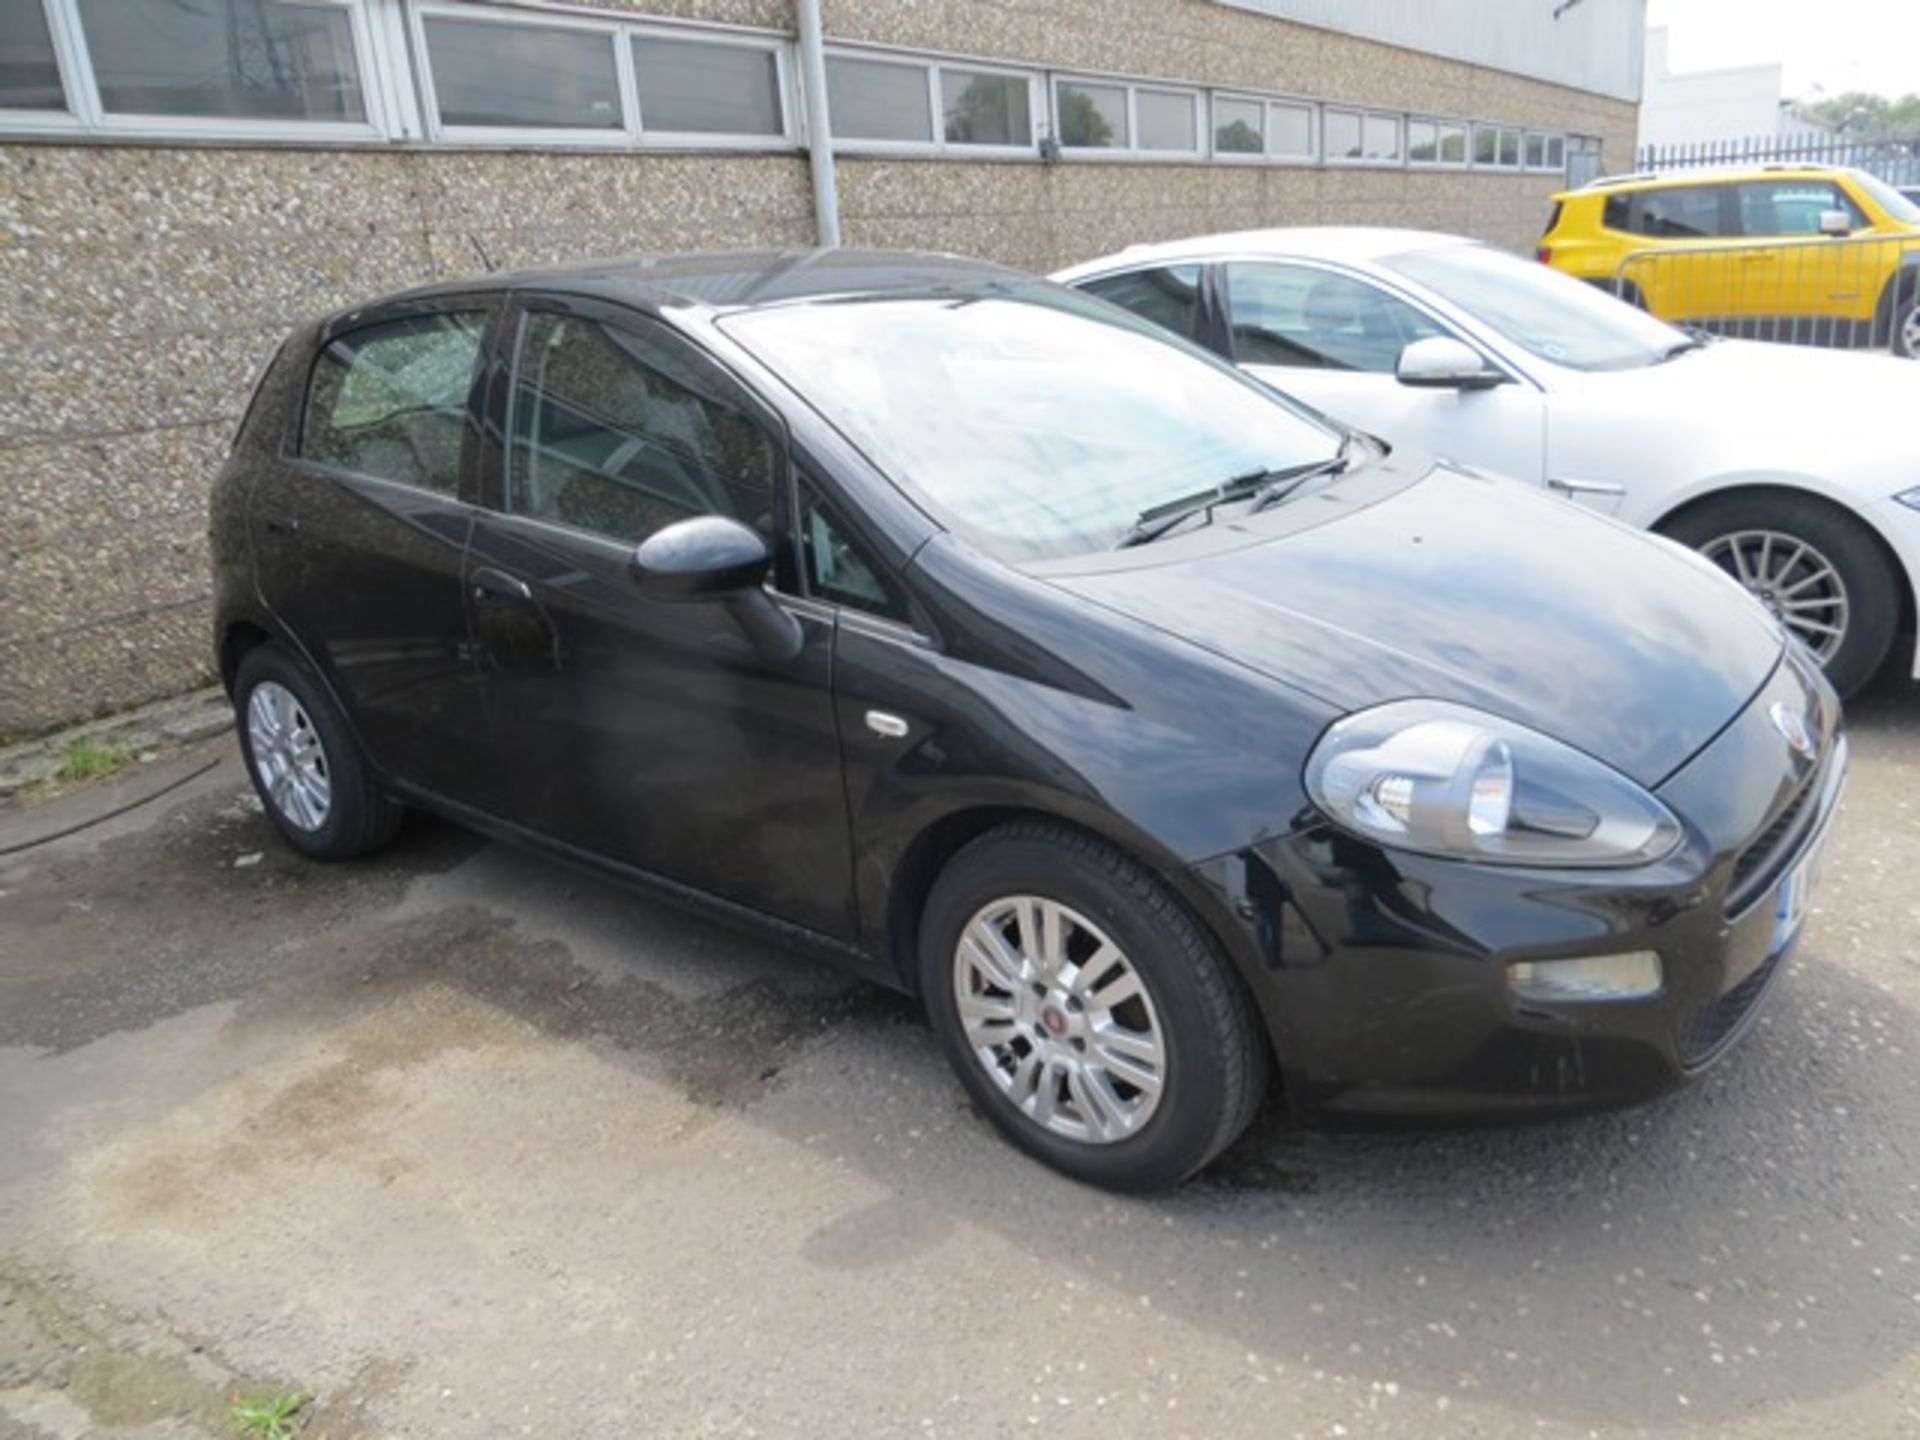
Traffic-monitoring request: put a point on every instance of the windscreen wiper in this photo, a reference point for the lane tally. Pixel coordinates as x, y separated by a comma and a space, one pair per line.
1263, 487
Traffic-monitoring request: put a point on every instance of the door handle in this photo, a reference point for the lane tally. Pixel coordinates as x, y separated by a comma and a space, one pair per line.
281, 524
494, 585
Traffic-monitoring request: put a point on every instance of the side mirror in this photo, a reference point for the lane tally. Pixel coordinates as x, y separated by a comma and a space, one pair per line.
1836, 222
713, 558
1442, 363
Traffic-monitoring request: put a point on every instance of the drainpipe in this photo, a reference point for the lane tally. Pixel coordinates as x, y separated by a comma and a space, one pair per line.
813, 81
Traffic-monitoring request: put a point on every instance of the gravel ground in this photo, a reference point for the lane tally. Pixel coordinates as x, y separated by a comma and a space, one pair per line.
464, 1144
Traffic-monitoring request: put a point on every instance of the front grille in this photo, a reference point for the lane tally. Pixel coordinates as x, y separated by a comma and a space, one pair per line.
1757, 867
1713, 1024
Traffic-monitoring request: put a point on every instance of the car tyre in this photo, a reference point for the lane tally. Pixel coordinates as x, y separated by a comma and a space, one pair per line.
1212, 1068
1903, 319
305, 765
1869, 585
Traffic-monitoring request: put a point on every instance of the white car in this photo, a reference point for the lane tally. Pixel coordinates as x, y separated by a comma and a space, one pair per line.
1793, 469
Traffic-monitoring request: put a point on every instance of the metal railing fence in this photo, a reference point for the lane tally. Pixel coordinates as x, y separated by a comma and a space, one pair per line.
1896, 161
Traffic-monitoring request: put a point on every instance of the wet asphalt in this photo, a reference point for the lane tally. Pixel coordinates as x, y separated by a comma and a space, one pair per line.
462, 1143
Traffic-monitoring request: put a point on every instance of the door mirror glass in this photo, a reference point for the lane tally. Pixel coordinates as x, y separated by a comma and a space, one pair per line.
709, 557
1835, 222
1443, 363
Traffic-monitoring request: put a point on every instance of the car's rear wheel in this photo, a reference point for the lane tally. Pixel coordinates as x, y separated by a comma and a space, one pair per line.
310, 775
1906, 325
1085, 1010
1814, 566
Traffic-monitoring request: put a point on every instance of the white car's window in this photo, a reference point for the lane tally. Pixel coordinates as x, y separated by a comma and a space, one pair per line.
1035, 422
1314, 319
1541, 310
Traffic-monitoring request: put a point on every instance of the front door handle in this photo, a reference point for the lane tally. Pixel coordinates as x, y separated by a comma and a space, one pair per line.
491, 585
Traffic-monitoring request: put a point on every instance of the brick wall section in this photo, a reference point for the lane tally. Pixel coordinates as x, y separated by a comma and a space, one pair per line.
141, 286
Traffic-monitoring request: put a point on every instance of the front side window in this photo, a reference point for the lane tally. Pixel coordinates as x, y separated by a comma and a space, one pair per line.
29, 73
689, 87
1542, 310
1792, 207
1313, 319
1036, 423
617, 436
1092, 117
1169, 295
224, 59
839, 569
875, 100
390, 400
523, 76
983, 109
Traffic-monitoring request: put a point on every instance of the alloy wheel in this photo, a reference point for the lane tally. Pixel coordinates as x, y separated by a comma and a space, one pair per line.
1908, 341
1792, 579
1060, 1019
288, 756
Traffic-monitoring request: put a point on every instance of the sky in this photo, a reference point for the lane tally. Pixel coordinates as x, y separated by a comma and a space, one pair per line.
1828, 46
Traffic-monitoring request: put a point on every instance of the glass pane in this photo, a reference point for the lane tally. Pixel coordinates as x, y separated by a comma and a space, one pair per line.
839, 569
1486, 144
985, 109
1315, 320
1556, 151
523, 76
1509, 147
29, 76
1343, 135
391, 400
618, 437
1536, 151
696, 89
1290, 130
1679, 212
1038, 423
1169, 297
1383, 137
1167, 122
872, 101
1423, 142
244, 59
1453, 144
1236, 127
1093, 117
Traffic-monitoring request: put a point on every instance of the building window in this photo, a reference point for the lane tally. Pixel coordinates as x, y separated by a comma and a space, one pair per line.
1510, 149
1290, 131
1362, 138
879, 100
693, 87
979, 108
29, 70
1092, 117
240, 59
513, 76
1436, 142
1169, 120
1556, 152
1239, 126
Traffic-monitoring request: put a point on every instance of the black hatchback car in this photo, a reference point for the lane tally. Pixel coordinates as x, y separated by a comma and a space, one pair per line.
1155, 732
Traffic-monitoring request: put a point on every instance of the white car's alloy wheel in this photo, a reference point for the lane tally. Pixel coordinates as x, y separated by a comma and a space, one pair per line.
1791, 578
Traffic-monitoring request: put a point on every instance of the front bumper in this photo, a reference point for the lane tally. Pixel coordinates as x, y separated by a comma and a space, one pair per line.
1383, 976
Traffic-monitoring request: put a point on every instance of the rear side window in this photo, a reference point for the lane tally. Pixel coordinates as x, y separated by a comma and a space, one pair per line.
1169, 297
620, 435
390, 400
1686, 212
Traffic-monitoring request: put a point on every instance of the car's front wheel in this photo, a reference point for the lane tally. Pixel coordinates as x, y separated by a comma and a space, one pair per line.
1085, 1010
1906, 323
1817, 568
316, 786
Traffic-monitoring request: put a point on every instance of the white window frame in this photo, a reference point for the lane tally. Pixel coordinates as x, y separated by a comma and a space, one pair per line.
1500, 131
1132, 151
930, 90
786, 139
615, 137
1547, 139
1237, 157
87, 115
1311, 155
1441, 124
1364, 114
934, 71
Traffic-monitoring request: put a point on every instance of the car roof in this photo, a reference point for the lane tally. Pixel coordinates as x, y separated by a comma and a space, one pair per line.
1313, 242
1709, 175
731, 279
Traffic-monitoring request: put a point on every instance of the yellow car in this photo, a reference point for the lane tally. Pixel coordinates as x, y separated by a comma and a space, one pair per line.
1816, 254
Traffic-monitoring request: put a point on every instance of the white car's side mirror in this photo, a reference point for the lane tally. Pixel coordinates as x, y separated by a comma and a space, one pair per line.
1835, 222
1442, 363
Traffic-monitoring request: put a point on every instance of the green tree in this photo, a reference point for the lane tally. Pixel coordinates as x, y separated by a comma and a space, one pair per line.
1869, 117
1081, 122
1239, 138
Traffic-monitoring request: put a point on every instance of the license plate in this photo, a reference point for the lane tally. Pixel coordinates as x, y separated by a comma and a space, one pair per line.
1795, 889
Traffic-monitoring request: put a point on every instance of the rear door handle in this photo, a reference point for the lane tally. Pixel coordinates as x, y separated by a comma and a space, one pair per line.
490, 584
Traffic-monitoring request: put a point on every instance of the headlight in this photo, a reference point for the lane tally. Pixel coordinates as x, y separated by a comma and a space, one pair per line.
1445, 780
1910, 497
